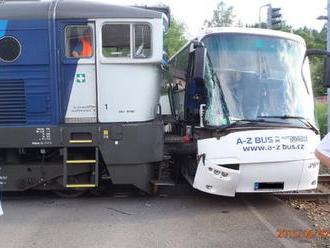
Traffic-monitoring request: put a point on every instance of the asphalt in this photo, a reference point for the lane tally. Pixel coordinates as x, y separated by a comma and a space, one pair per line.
181, 218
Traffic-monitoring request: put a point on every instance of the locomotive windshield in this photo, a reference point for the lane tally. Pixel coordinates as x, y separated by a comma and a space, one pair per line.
258, 78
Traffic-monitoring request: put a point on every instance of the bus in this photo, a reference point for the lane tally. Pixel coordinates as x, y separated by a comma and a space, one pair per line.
239, 102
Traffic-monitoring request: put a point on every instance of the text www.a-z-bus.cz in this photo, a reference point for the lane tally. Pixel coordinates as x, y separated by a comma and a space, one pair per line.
282, 147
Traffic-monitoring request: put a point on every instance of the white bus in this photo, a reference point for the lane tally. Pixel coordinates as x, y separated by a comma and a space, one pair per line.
242, 102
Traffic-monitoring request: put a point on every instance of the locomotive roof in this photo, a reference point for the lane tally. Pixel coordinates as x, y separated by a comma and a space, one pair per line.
70, 9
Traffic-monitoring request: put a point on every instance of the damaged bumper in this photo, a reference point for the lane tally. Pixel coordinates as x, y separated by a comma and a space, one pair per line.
213, 178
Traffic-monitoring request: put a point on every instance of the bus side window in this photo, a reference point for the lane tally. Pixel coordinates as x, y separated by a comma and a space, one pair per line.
178, 70
78, 41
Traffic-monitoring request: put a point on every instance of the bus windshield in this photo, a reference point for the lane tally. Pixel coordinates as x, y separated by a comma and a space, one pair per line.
258, 77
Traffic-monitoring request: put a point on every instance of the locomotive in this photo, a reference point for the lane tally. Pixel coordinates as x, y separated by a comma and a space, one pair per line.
79, 95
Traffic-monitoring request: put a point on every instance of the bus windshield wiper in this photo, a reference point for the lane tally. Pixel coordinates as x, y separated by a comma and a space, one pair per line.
260, 119
300, 118
241, 122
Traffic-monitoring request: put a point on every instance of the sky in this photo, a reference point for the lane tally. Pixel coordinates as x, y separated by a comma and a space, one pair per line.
297, 13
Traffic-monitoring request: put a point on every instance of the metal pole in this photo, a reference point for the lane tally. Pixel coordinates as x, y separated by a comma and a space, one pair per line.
268, 5
328, 49
269, 17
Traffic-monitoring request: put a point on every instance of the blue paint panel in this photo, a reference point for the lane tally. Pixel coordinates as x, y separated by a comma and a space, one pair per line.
3, 27
27, 24
35, 47
46, 78
37, 104
35, 68
68, 74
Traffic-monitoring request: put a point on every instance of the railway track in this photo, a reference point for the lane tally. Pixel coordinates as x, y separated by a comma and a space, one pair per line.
325, 178
311, 196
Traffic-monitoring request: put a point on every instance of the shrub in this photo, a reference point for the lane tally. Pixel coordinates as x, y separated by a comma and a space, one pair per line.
322, 117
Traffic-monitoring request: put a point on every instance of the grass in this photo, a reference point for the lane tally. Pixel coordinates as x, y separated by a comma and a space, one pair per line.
322, 117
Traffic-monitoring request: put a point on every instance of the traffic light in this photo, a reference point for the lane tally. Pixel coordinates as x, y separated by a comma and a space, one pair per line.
274, 18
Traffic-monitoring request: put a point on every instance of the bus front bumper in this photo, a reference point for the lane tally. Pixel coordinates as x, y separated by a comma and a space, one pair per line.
213, 178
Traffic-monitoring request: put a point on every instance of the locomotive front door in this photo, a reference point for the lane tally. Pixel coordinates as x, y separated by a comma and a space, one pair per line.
78, 72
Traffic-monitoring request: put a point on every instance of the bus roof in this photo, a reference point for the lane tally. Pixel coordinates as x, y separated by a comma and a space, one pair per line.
237, 30
70, 9
256, 31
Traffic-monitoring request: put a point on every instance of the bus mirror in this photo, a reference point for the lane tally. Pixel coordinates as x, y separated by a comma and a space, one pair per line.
326, 54
164, 63
317, 52
199, 63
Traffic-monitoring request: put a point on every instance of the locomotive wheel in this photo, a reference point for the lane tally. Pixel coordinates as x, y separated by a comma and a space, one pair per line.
70, 193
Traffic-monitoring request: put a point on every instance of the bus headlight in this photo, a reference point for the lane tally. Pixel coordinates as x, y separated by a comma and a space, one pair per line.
224, 174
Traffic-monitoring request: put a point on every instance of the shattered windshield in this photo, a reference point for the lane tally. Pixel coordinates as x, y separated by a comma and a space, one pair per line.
259, 77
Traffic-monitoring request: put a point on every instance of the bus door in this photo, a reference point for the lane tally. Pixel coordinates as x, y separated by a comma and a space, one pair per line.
78, 72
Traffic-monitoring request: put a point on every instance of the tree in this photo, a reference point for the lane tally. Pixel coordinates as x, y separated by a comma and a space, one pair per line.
315, 39
223, 16
175, 37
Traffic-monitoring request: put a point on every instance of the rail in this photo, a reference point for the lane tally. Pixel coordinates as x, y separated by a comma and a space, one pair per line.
309, 196
324, 178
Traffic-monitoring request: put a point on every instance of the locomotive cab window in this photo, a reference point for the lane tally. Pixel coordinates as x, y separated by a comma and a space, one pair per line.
78, 41
126, 40
116, 40
142, 41
10, 49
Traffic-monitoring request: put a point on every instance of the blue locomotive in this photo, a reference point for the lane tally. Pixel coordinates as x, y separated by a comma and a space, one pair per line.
79, 94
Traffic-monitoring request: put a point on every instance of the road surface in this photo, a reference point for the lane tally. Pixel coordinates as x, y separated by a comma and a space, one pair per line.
183, 218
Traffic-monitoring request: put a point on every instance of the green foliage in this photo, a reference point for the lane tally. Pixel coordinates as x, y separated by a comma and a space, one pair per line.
313, 39
175, 38
322, 116
223, 16
317, 71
